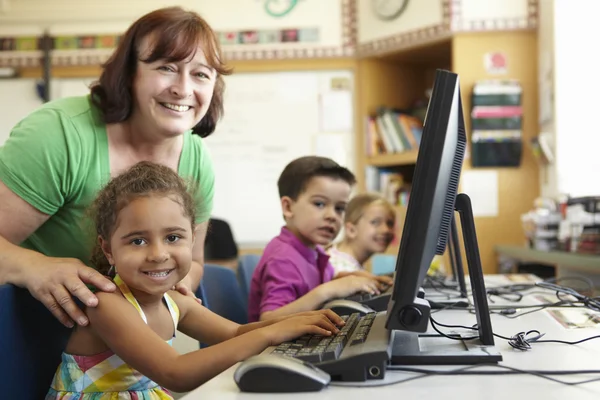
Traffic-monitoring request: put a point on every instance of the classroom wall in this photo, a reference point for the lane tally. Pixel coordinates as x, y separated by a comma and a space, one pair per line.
516, 187
423, 22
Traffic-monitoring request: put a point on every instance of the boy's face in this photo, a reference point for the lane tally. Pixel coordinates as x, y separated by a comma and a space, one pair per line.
317, 214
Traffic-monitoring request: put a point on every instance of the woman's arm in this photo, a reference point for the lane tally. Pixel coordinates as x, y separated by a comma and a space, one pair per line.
50, 280
125, 333
190, 283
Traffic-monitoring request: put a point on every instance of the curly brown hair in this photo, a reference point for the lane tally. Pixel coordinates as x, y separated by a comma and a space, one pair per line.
178, 34
143, 179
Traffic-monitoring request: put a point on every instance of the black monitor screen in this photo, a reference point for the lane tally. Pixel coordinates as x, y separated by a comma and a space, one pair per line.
431, 205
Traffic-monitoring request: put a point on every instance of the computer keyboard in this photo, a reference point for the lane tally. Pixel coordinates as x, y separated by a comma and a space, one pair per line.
360, 351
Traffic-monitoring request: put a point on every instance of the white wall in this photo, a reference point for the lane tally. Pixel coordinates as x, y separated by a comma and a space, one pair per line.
546, 85
577, 92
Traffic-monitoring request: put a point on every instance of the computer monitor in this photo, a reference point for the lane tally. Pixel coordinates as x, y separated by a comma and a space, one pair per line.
430, 212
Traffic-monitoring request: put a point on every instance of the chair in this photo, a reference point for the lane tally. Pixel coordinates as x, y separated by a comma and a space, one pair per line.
31, 343
219, 246
246, 267
220, 292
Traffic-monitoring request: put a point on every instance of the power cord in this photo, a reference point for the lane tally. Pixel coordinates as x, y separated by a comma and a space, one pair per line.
520, 341
507, 370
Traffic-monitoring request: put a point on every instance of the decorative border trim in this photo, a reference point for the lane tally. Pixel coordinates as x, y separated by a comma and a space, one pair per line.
16, 59
500, 24
405, 40
452, 22
347, 49
83, 57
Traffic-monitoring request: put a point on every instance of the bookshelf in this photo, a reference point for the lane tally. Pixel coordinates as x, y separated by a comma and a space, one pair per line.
397, 80
400, 78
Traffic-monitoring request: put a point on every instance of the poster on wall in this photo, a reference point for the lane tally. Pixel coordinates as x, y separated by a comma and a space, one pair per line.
495, 63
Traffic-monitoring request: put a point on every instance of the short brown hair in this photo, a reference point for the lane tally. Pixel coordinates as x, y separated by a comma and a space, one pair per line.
143, 179
357, 205
296, 175
180, 32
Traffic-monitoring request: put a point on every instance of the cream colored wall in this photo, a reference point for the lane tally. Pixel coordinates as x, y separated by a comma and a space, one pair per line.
477, 10
32, 17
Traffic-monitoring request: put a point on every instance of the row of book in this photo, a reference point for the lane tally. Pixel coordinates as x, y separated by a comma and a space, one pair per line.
392, 131
496, 123
390, 184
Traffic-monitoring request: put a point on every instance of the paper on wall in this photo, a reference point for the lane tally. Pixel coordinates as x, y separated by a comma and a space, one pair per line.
336, 111
332, 145
482, 188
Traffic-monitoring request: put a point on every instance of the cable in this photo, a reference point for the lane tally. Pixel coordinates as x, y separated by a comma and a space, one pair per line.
467, 371
520, 341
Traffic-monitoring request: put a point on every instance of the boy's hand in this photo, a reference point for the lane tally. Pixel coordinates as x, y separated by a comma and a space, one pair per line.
296, 325
349, 285
384, 281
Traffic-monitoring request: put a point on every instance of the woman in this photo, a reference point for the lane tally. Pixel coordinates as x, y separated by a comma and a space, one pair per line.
159, 93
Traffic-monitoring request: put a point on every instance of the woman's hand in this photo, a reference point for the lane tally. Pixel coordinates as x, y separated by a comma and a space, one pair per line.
185, 288
321, 322
54, 281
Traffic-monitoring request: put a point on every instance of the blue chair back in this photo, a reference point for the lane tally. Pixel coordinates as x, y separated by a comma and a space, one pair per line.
246, 267
220, 292
31, 343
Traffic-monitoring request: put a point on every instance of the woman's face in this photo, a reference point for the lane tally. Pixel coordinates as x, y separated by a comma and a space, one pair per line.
172, 97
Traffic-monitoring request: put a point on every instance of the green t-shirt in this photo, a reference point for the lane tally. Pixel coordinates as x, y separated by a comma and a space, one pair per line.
56, 159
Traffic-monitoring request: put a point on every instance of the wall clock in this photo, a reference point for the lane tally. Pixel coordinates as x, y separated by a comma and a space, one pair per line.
387, 10
279, 8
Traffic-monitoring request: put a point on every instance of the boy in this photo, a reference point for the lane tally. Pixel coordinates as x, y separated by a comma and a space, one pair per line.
294, 273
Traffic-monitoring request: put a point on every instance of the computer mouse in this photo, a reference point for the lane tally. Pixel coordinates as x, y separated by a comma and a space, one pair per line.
273, 373
347, 307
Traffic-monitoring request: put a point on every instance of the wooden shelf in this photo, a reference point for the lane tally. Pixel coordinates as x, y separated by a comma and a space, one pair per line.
394, 159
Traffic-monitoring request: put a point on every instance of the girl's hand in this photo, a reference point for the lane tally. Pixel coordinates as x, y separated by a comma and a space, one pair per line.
296, 325
336, 319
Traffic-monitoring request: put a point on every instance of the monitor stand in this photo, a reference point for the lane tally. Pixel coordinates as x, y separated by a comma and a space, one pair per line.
412, 348
456, 282
458, 272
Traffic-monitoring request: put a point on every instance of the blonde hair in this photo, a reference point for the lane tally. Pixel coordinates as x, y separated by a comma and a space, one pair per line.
359, 203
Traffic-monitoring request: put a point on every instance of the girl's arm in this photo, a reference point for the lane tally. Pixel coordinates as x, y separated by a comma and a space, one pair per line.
119, 325
203, 325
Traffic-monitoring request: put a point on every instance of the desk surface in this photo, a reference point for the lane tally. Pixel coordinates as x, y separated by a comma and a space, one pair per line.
559, 258
543, 356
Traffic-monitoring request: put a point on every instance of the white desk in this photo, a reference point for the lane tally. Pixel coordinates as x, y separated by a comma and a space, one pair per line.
543, 356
